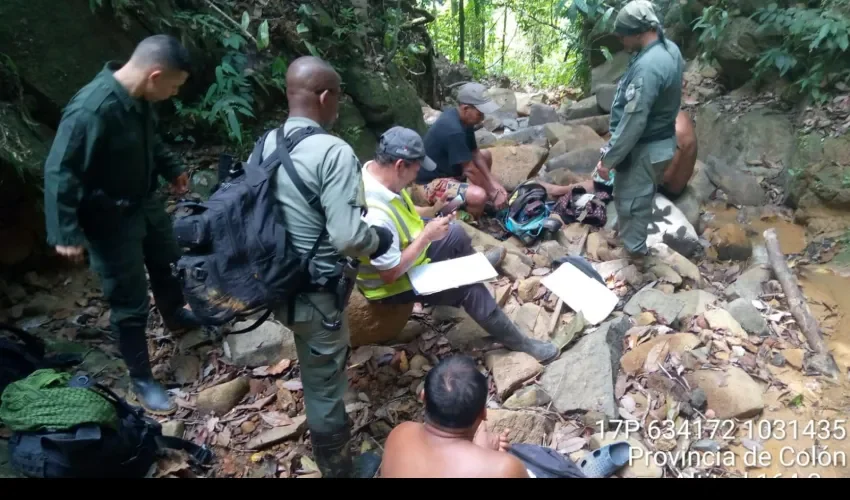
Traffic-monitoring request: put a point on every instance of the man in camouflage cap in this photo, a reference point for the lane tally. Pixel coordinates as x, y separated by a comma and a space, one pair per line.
643, 122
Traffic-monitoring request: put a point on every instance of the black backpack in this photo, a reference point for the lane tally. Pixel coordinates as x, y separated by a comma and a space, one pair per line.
238, 258
97, 451
19, 359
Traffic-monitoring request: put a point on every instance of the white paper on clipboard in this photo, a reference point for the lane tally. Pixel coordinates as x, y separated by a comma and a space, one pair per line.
581, 293
453, 273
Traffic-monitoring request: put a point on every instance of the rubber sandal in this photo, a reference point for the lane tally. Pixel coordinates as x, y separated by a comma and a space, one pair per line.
605, 461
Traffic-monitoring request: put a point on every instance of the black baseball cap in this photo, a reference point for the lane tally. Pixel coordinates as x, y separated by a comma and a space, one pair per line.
405, 144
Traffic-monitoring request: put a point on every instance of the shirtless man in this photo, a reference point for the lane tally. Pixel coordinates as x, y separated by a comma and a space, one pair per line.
453, 441
676, 175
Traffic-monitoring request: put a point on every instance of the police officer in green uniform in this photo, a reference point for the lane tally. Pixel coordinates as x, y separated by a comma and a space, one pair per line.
100, 179
643, 122
329, 168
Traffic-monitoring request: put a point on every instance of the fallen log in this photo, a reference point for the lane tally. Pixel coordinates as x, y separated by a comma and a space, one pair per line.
823, 361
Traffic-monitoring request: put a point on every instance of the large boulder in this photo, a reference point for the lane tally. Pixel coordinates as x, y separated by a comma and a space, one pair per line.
507, 101
566, 138
352, 127
738, 49
385, 99
610, 71
513, 165
375, 323
525, 101
579, 161
582, 109
735, 151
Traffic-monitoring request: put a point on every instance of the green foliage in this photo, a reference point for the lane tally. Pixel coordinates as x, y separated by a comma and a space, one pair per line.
230, 98
710, 25
812, 50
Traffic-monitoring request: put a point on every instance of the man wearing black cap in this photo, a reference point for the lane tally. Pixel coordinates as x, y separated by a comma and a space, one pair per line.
399, 157
462, 169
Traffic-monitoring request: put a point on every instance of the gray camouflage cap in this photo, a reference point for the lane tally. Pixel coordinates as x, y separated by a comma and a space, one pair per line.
405, 144
476, 95
637, 16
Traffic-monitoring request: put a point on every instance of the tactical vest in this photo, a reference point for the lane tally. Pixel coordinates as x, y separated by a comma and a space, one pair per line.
408, 225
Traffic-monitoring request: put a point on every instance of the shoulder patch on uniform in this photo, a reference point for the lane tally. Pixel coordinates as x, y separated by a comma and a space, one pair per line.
630, 92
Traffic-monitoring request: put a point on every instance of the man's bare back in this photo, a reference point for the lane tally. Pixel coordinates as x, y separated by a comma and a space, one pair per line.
453, 441
414, 450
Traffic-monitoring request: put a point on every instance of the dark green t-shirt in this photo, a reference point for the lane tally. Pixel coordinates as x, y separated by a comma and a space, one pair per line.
449, 143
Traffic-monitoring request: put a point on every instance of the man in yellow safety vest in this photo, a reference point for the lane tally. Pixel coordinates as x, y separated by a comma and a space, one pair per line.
399, 156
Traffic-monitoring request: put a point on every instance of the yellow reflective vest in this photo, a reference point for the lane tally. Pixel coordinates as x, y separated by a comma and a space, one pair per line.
408, 225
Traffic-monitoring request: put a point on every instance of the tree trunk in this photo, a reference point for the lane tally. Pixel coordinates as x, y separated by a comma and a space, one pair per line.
504, 35
799, 307
461, 22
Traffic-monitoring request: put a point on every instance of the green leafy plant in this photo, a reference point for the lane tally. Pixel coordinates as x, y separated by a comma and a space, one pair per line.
710, 26
813, 49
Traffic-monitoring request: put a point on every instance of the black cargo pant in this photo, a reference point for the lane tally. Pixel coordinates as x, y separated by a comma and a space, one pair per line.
121, 252
475, 299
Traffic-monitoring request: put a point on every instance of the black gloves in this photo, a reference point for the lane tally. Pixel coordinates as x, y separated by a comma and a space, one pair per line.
385, 237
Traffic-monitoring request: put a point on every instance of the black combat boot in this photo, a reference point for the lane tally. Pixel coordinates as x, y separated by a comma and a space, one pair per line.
496, 255
333, 456
147, 391
500, 326
180, 321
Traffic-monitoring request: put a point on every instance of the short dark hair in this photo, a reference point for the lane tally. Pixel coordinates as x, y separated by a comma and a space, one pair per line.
165, 51
455, 393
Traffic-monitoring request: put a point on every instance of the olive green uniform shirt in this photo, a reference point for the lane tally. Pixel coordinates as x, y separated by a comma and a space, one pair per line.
328, 166
106, 141
643, 118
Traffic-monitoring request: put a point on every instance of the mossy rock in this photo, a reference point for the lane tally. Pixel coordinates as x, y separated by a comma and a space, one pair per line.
384, 99
819, 172
59, 46
352, 128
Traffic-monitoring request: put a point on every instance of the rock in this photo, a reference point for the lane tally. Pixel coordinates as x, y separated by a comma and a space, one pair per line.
465, 333
670, 226
738, 50
582, 109
513, 165
698, 398
485, 138
610, 71
525, 102
527, 397
542, 114
605, 96
552, 250
526, 317
222, 398
720, 319
411, 331
732, 243
510, 369
677, 343
579, 161
418, 362
531, 135
265, 346
574, 138
525, 426
431, 115
173, 428
584, 376
506, 99
610, 268
42, 303
514, 267
375, 323
689, 204
731, 393
684, 267
696, 303
384, 98
740, 187
491, 123
794, 357
481, 239
527, 288
276, 435
665, 273
640, 464
748, 316
595, 241
187, 369
665, 307
749, 284
598, 123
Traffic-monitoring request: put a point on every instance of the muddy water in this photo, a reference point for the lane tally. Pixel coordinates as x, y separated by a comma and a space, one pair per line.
804, 430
